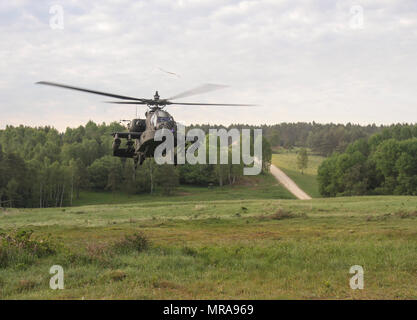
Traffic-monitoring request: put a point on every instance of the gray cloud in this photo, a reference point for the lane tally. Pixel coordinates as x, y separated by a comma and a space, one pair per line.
301, 61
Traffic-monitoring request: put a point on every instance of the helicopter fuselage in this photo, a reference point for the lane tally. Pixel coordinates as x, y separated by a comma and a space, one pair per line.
140, 142
140, 136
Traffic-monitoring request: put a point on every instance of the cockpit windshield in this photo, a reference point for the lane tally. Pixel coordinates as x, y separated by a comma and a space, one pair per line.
163, 119
160, 117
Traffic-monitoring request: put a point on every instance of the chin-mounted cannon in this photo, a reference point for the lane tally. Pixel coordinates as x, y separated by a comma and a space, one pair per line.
129, 150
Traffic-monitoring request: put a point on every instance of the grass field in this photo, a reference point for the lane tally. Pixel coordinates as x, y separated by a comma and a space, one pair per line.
263, 186
287, 162
218, 248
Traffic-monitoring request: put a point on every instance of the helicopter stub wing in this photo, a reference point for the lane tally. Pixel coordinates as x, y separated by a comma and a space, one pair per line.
127, 135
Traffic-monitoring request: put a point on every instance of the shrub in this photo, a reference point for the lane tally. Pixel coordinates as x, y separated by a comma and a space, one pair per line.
24, 285
116, 275
137, 242
18, 248
282, 214
98, 251
189, 251
406, 214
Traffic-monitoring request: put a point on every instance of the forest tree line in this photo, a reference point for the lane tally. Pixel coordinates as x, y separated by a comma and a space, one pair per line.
385, 163
322, 139
41, 167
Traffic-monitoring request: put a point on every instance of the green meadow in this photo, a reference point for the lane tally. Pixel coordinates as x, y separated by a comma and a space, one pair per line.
221, 243
287, 162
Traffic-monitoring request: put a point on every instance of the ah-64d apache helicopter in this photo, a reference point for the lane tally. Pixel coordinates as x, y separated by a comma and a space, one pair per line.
140, 142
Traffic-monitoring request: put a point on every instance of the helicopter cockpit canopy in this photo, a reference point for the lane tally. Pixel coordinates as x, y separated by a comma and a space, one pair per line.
160, 117
164, 116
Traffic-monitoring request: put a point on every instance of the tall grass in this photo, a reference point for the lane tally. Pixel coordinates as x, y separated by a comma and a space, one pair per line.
271, 249
18, 248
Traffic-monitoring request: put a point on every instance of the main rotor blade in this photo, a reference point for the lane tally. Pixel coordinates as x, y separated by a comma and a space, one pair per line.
126, 102
88, 90
199, 90
213, 104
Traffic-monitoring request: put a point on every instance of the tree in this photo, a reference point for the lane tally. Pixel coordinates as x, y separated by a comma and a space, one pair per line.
148, 167
2, 173
383, 164
129, 175
80, 176
104, 173
274, 139
302, 160
197, 174
141, 179
12, 192
167, 178
114, 177
266, 155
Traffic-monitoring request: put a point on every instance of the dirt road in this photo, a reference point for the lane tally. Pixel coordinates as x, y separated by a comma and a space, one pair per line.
288, 183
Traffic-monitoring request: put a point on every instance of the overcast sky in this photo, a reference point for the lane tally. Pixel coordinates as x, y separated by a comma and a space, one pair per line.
323, 60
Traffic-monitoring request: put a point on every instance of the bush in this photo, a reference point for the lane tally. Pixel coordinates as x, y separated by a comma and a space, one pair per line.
24, 285
17, 247
406, 214
189, 251
98, 252
282, 214
115, 275
137, 242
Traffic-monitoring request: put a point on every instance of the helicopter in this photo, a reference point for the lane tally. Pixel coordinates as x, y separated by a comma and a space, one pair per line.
140, 142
